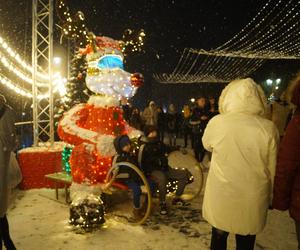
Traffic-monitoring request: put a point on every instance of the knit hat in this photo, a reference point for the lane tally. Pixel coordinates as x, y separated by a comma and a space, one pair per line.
123, 141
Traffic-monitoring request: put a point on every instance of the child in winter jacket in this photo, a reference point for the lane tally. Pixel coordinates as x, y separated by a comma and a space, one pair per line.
132, 180
154, 162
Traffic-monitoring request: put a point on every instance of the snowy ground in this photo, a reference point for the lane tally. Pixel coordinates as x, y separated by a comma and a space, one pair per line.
37, 221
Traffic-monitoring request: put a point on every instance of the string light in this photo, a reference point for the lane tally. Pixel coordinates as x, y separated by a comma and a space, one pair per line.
57, 81
132, 41
9, 84
66, 153
18, 59
12, 68
73, 25
23, 92
272, 34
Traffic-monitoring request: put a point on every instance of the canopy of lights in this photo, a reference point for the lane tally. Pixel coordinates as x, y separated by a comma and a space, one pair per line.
274, 33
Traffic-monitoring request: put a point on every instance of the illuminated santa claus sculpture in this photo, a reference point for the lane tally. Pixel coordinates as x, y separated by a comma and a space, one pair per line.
91, 127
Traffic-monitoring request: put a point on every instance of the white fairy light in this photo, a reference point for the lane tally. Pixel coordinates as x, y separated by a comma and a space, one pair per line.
272, 34
9, 84
19, 60
58, 83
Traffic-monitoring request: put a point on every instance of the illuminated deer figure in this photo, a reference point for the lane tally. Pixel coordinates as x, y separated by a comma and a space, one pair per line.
91, 127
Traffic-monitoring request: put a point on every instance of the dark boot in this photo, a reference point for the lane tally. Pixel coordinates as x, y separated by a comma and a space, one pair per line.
4, 234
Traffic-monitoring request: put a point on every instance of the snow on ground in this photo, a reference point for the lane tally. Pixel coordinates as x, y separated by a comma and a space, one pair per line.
38, 221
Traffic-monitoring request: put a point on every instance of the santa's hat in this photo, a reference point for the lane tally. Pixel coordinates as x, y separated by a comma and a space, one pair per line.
101, 46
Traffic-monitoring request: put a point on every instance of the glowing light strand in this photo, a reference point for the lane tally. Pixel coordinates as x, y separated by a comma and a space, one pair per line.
18, 59
272, 34
223, 46
242, 36
12, 68
266, 33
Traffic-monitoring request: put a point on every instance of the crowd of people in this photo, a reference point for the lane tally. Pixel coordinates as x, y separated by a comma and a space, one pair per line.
188, 123
248, 174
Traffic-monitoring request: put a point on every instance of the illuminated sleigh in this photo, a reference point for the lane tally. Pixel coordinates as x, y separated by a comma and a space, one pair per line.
114, 181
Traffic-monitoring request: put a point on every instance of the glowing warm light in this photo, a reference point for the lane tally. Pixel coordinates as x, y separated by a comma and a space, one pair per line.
18, 59
57, 60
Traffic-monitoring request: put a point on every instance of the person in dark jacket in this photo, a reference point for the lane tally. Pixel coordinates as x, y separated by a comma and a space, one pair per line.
7, 145
186, 127
136, 119
127, 109
287, 178
172, 124
198, 122
123, 147
161, 123
154, 162
212, 107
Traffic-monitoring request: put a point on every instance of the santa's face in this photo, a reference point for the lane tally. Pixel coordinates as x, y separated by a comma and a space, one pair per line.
106, 75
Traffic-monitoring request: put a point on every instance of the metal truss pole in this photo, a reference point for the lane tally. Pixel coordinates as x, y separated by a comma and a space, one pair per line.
42, 60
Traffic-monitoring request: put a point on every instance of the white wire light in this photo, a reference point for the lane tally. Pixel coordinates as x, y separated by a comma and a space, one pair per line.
274, 33
15, 56
13, 86
57, 81
59, 87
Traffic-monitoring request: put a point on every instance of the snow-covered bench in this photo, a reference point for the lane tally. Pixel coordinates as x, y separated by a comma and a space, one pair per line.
61, 177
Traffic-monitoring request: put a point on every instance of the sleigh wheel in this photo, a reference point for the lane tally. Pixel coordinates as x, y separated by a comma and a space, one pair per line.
112, 185
187, 161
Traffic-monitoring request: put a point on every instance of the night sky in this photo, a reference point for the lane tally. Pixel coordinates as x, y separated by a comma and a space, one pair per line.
170, 26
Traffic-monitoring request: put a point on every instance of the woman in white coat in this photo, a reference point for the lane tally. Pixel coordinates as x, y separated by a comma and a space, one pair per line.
239, 183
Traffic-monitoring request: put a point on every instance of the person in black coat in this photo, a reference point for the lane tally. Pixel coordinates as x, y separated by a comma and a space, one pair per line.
172, 120
161, 123
136, 119
198, 122
213, 107
154, 162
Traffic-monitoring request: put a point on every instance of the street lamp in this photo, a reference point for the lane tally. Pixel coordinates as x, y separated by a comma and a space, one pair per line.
192, 99
269, 82
278, 81
56, 60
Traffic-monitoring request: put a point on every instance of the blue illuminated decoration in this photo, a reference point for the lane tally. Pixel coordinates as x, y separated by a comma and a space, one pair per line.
110, 62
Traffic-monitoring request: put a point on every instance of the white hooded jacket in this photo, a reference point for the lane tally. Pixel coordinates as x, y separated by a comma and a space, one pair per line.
244, 146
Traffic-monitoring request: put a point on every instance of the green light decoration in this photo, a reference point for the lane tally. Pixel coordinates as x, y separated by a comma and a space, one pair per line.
66, 153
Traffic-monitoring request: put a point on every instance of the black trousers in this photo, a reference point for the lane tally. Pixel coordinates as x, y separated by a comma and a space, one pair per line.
198, 147
219, 240
4, 235
186, 135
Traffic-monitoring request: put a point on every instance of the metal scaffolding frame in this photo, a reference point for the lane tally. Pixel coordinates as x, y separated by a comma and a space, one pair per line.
42, 60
